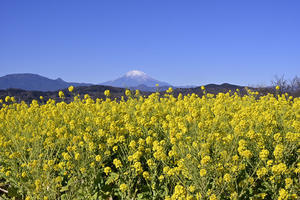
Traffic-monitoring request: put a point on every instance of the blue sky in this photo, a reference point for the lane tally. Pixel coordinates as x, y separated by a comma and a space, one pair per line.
181, 42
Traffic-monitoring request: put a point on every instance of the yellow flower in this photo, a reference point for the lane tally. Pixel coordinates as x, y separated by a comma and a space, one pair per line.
138, 167
262, 195
82, 170
279, 169
86, 96
107, 170
170, 90
7, 98
132, 144
234, 196
227, 178
127, 92
8, 173
161, 178
37, 184
294, 196
146, 175
123, 187
261, 172
277, 87
117, 163
107, 93
150, 163
213, 197
292, 137
283, 194
288, 183
58, 179
264, 154
137, 92
205, 160
98, 158
270, 162
61, 94
66, 156
278, 151
166, 169
76, 156
277, 137
92, 164
24, 174
198, 196
202, 172
149, 140
192, 188
179, 192
235, 158
71, 88
115, 148
247, 154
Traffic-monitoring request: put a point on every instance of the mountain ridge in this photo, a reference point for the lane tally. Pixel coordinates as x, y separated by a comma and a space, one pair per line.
136, 79
35, 82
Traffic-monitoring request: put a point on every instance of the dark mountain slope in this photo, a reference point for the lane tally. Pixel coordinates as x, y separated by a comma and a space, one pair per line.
35, 82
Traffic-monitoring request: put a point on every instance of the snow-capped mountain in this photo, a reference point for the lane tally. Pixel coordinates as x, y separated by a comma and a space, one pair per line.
135, 78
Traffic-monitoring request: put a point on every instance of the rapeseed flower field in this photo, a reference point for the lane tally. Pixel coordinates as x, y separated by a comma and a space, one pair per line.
223, 146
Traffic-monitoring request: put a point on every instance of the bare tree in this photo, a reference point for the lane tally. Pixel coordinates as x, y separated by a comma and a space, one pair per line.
285, 85
281, 82
295, 84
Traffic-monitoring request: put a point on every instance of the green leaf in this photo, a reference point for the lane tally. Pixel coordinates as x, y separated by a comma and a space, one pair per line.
112, 178
63, 197
64, 189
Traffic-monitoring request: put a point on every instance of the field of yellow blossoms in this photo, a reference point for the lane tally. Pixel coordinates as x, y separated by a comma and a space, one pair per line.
223, 146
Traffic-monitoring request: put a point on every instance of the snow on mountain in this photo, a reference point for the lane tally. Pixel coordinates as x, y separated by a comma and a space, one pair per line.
135, 78
136, 73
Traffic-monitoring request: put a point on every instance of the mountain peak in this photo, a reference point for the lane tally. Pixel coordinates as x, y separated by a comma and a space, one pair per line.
136, 73
135, 78
59, 79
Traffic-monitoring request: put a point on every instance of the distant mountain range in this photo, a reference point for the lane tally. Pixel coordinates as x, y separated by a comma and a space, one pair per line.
27, 87
34, 82
131, 80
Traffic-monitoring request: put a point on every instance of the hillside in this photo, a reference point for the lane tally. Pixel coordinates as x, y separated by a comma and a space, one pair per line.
34, 82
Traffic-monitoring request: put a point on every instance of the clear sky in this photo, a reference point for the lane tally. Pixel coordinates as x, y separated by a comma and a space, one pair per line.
182, 42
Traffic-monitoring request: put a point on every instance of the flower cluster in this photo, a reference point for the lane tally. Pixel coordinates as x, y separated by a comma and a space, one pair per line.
223, 146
